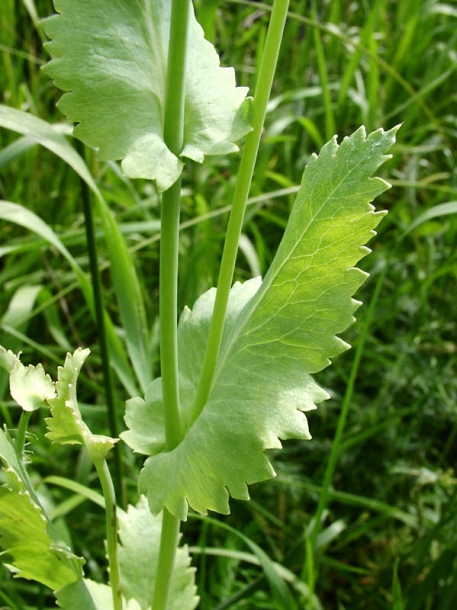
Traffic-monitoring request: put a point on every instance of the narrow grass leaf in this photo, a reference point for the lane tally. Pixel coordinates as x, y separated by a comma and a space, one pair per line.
127, 286
443, 209
396, 590
18, 214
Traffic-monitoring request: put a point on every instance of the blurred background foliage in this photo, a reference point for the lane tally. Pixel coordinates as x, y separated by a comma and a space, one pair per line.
389, 532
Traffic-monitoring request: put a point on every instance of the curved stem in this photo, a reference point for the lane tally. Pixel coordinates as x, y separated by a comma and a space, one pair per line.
240, 196
111, 529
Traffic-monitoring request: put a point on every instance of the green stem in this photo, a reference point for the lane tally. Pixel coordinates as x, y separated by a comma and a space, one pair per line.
169, 313
21, 432
168, 544
168, 296
240, 196
111, 529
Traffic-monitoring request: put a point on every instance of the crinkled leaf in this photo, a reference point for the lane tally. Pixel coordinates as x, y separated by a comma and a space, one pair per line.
139, 534
27, 536
66, 425
113, 64
274, 338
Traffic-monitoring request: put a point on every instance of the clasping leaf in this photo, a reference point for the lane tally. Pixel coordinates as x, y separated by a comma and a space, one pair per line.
277, 332
113, 65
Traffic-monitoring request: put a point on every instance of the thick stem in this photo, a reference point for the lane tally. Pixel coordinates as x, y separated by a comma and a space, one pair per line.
168, 544
240, 196
111, 530
169, 246
169, 313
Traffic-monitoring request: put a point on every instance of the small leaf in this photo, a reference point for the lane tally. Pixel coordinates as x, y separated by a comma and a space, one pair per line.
66, 425
139, 534
7, 359
276, 333
27, 536
30, 386
113, 64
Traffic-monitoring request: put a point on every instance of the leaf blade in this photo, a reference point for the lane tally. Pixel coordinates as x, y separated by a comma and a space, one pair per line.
116, 91
27, 535
276, 334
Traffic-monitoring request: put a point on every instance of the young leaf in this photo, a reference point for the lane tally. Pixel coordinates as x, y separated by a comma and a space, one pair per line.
113, 64
27, 536
7, 359
274, 338
30, 386
139, 533
66, 425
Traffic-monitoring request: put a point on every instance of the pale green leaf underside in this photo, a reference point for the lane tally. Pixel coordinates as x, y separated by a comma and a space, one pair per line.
276, 333
27, 537
139, 533
113, 64
30, 386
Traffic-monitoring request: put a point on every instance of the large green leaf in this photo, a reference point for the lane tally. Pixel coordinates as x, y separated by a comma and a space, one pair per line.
277, 332
27, 536
139, 533
113, 64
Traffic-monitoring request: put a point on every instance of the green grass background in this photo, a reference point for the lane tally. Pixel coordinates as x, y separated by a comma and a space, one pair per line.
388, 537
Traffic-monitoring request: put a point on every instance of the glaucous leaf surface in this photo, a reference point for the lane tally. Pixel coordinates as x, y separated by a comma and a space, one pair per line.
139, 533
277, 332
113, 65
27, 537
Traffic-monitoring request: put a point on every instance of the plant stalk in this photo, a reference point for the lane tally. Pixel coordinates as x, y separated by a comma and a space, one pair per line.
22, 432
168, 296
111, 530
240, 196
